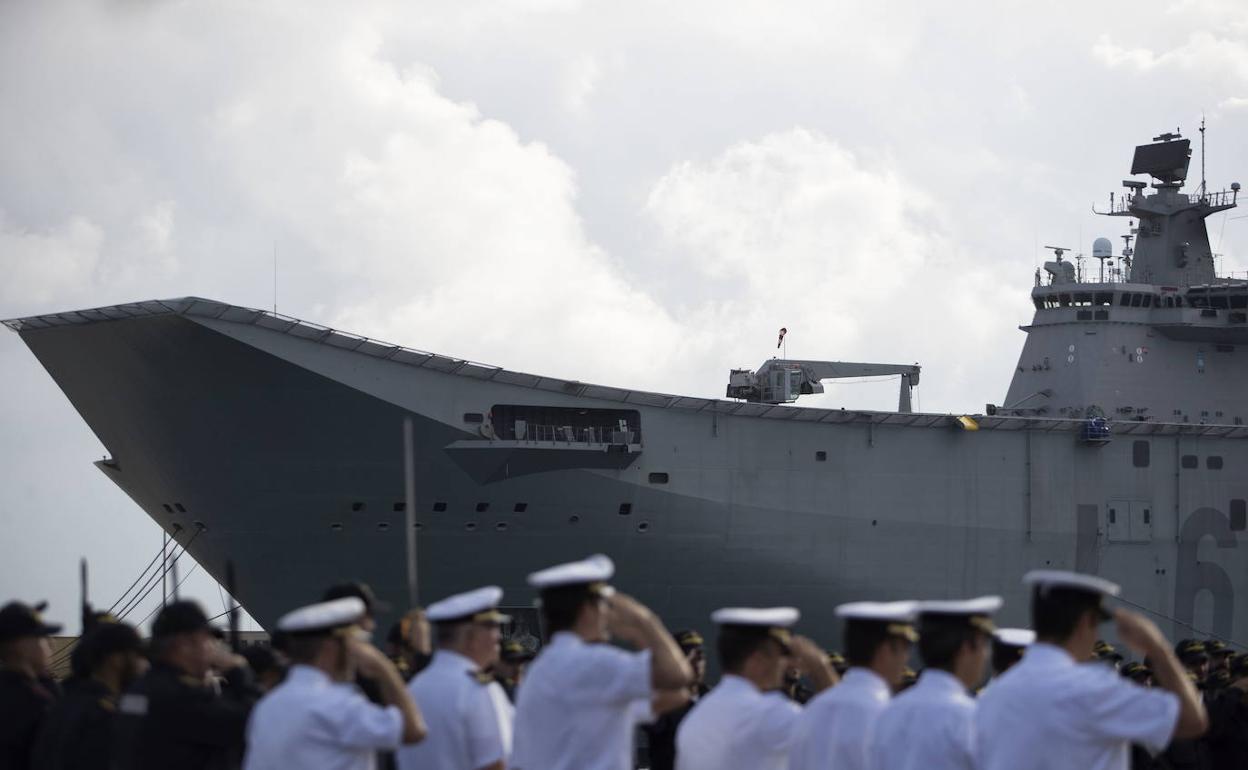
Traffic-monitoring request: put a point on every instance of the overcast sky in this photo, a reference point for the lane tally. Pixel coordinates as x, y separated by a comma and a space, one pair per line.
636, 193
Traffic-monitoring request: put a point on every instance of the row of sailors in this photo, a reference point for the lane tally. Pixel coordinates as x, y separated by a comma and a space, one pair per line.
581, 700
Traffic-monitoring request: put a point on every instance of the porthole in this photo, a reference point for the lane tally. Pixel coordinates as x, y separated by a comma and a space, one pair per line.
383, 526
520, 507
439, 507
573, 519
168, 508
336, 527
501, 526
180, 508
400, 507
643, 526
470, 526
357, 506
626, 509
483, 507
658, 478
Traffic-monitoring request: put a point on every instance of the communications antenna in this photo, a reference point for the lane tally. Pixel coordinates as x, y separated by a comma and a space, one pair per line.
1202, 156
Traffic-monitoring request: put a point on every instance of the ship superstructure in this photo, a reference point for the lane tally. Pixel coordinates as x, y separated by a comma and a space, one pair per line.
1119, 450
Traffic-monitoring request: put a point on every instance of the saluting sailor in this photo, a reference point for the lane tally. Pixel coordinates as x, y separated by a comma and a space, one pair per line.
468, 713
318, 718
1008, 646
931, 726
746, 722
577, 706
1050, 711
835, 731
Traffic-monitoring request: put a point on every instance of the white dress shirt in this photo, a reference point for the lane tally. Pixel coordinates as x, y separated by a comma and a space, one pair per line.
312, 722
835, 730
1050, 712
930, 726
737, 726
576, 707
469, 721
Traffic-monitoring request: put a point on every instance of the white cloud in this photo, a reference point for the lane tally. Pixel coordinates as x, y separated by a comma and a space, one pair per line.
39, 267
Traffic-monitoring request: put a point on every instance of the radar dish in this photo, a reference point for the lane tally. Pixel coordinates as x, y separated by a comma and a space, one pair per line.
1102, 248
1164, 161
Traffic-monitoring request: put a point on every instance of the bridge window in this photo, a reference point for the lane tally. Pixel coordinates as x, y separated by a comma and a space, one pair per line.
1148, 300
1124, 300
566, 424
1140, 454
1214, 462
1137, 300
658, 478
1190, 461
1239, 515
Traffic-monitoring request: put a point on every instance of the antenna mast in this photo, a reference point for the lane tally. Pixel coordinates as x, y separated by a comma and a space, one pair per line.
1202, 157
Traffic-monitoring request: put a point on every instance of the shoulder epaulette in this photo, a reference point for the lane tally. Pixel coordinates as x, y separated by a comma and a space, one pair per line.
481, 677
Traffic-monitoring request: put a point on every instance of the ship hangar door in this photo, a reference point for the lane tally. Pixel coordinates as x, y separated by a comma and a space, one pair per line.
1129, 521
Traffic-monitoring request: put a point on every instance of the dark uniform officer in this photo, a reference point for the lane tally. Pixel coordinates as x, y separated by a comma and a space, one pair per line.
1228, 720
174, 716
1192, 754
513, 656
662, 731
26, 694
78, 733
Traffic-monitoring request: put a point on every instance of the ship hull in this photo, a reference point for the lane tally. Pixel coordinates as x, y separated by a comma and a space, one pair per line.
283, 452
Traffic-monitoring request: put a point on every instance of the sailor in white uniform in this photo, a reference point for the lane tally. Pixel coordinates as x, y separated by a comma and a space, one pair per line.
745, 722
317, 719
1056, 710
577, 706
468, 713
835, 731
931, 726
1008, 646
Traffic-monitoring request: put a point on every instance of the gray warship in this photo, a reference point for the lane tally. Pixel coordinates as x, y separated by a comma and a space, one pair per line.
1119, 450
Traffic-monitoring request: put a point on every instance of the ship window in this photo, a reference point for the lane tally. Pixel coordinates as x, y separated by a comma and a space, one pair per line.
626, 509
180, 508
573, 519
821, 456
439, 507
470, 526
1083, 315
1214, 462
501, 526
336, 527
1039, 303
474, 417
168, 508
1105, 298
400, 507
1101, 315
383, 526
1148, 300
1140, 454
1125, 300
1064, 300
1136, 300
1190, 461
1239, 515
357, 506
520, 507
483, 507
658, 478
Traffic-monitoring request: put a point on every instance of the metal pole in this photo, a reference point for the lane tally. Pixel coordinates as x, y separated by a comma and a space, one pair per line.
409, 479
86, 603
231, 587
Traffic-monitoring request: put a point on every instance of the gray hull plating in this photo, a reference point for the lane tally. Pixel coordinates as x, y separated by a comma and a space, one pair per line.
286, 447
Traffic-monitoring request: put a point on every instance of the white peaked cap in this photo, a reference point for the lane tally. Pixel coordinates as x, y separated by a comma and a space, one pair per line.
323, 616
891, 612
1056, 578
1015, 637
769, 617
596, 569
984, 605
478, 605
